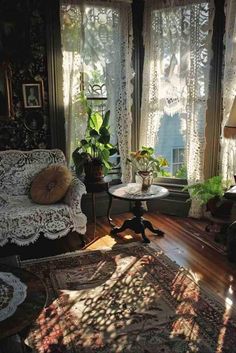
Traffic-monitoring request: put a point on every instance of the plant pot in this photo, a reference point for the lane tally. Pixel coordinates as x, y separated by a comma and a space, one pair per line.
220, 208
146, 179
94, 171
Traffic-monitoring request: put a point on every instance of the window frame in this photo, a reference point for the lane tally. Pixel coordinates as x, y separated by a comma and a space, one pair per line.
214, 111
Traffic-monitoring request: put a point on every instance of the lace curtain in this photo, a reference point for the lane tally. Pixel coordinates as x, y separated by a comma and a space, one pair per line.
97, 41
228, 145
177, 39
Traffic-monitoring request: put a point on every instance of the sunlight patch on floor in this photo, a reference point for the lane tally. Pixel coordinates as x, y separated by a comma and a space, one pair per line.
108, 241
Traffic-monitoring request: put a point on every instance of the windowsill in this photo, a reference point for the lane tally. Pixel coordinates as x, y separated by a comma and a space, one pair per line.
173, 185
172, 181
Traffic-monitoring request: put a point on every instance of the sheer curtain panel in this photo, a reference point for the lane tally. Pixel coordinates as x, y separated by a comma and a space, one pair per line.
97, 49
177, 39
228, 145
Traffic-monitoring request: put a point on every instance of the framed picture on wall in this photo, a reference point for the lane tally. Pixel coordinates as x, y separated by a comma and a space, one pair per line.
32, 95
33, 120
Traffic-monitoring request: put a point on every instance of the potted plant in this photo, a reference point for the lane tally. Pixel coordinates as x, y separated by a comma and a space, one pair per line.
93, 152
210, 193
147, 165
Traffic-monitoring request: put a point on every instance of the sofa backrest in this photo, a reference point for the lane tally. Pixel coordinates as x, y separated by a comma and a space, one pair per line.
18, 168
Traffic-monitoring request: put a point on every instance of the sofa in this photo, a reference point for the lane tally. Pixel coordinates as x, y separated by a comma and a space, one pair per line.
21, 220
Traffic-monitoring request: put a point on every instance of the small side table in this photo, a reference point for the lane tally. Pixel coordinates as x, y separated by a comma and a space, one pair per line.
133, 192
94, 188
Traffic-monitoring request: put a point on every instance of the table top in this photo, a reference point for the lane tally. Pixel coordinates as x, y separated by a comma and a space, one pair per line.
29, 309
132, 191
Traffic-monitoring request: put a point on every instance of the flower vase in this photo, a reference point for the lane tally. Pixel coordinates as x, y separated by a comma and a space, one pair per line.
146, 178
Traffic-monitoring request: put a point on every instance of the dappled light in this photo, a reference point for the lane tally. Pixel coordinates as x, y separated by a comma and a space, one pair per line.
226, 330
130, 299
187, 293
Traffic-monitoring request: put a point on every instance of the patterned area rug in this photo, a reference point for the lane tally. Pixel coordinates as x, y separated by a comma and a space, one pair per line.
130, 299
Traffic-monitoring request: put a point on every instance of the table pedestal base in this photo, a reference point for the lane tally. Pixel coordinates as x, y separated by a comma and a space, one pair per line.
138, 224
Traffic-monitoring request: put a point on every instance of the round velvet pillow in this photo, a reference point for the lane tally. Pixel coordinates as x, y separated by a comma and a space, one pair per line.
51, 184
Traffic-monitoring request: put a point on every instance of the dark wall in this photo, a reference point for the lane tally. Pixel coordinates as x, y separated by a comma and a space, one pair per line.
23, 45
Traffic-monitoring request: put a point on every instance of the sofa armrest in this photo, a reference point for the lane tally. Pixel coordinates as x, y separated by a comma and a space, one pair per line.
74, 194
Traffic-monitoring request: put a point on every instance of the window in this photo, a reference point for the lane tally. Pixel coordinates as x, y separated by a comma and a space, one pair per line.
69, 13
178, 168
85, 37
177, 44
97, 48
171, 133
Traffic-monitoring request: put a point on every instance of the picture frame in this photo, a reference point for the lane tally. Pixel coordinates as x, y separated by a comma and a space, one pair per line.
32, 95
33, 120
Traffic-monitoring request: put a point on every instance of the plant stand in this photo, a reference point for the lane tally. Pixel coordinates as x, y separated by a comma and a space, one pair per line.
94, 188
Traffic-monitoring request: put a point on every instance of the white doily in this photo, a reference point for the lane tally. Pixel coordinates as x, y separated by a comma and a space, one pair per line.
12, 293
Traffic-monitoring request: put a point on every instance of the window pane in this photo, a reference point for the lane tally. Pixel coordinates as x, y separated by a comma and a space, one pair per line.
175, 155
172, 132
181, 155
175, 168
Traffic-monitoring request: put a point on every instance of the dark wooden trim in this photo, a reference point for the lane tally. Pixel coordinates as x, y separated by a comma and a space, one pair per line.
214, 113
54, 65
138, 58
171, 181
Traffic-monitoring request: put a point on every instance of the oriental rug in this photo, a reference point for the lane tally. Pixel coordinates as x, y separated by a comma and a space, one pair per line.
131, 299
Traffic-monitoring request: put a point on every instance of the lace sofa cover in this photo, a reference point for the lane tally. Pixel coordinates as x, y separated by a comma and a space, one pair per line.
21, 220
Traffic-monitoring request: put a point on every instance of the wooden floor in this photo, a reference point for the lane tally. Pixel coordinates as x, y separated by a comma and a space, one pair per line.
209, 268
207, 265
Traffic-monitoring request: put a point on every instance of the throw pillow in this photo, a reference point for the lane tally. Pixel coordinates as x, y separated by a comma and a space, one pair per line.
51, 184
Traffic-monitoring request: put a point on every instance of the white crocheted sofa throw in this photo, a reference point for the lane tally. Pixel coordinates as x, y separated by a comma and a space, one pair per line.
21, 220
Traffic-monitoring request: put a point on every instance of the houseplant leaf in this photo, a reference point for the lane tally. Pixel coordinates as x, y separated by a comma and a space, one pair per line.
94, 133
104, 136
96, 145
95, 121
106, 119
112, 151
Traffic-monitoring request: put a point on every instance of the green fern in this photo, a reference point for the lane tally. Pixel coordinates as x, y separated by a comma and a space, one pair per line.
203, 192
